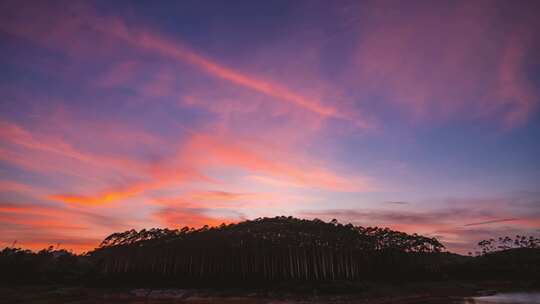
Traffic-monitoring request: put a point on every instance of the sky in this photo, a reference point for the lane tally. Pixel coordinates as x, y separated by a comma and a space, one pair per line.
419, 116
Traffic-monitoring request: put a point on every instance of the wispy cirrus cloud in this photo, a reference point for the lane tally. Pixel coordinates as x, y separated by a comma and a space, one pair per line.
102, 109
223, 152
13, 134
203, 151
397, 203
178, 51
458, 223
110, 31
37, 226
491, 222
478, 71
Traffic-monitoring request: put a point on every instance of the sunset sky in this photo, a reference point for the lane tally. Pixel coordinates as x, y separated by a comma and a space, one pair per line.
421, 116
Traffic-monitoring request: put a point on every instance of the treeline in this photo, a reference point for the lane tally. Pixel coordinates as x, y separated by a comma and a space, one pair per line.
503, 258
506, 242
19, 266
266, 250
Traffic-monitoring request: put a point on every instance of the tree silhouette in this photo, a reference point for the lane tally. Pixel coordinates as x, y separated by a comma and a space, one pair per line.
505, 243
266, 250
280, 248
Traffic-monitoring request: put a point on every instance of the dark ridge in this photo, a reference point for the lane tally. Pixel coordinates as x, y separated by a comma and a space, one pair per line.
265, 249
270, 252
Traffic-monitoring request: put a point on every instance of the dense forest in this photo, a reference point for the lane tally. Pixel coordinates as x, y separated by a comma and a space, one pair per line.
270, 250
282, 248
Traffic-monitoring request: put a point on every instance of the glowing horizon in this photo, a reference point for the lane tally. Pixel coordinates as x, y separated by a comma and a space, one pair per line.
416, 116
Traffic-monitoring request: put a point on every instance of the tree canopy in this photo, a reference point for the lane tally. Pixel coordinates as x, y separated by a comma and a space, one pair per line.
264, 248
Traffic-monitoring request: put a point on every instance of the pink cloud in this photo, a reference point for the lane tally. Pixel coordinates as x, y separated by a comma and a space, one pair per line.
40, 151
37, 226
459, 225
108, 175
224, 152
178, 51
46, 29
516, 93
202, 152
268, 114
453, 62
180, 217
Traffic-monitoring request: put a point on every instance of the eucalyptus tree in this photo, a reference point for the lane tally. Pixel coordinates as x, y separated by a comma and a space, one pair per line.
279, 248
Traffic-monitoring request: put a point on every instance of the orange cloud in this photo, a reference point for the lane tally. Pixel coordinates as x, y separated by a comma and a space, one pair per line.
192, 217
41, 223
160, 178
198, 154
201, 152
36, 243
37, 226
258, 203
102, 198
46, 212
218, 195
220, 152
37, 157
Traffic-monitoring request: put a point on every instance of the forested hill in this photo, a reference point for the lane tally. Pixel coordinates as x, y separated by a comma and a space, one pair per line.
261, 251
265, 249
287, 231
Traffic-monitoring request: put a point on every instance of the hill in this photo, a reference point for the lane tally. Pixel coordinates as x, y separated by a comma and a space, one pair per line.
264, 252
268, 249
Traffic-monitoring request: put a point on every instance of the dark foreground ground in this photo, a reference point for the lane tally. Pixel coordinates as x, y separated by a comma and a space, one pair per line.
426, 293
